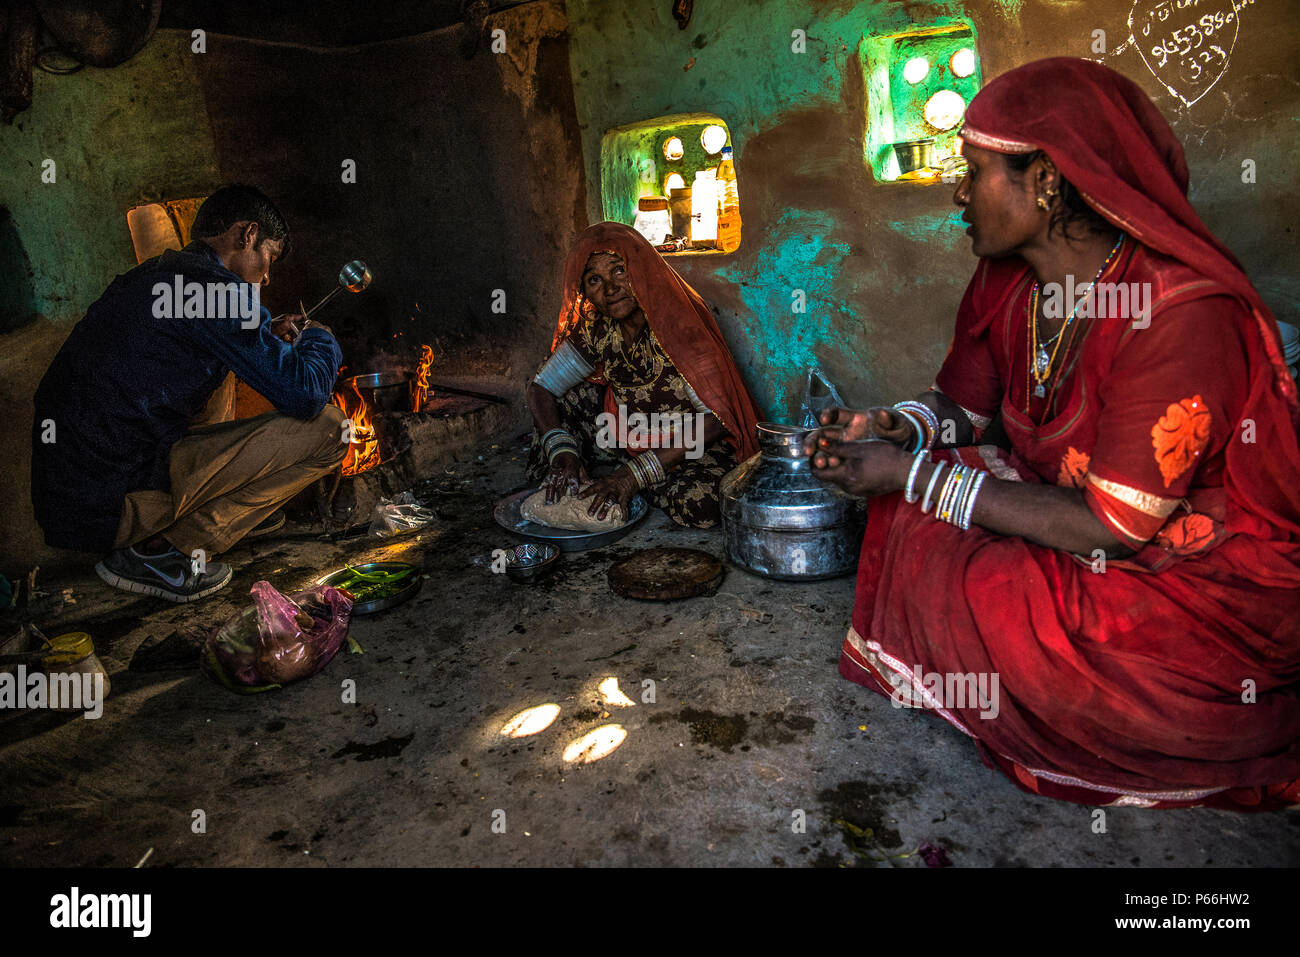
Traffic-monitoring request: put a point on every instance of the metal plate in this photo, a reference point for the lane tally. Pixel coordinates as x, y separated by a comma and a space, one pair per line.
378, 604
507, 515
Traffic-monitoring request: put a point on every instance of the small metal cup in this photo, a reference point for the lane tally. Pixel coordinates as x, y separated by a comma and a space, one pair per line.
914, 155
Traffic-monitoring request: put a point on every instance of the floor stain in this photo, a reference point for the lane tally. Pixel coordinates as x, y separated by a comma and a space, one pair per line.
388, 748
721, 731
777, 727
864, 804
726, 731
251, 781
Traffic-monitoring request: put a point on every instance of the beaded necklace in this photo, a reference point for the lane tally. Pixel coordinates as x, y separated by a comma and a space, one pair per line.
1040, 362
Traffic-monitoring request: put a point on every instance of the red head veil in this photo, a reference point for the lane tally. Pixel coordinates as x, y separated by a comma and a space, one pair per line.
679, 318
1108, 139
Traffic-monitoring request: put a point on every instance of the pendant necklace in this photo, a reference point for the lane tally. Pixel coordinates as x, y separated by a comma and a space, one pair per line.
1043, 360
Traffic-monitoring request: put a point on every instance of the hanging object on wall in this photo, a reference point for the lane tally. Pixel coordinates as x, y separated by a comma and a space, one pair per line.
18, 28
682, 10
100, 33
157, 227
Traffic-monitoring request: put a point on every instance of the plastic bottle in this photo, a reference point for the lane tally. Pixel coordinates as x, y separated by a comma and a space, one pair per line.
704, 209
653, 221
728, 204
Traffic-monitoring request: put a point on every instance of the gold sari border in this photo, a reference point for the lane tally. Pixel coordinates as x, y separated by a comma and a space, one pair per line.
990, 142
1154, 505
896, 674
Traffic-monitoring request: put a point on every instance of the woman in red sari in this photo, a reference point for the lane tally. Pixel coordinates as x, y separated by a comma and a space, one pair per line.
1130, 568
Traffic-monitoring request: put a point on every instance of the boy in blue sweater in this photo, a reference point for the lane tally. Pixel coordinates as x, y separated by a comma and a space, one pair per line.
116, 465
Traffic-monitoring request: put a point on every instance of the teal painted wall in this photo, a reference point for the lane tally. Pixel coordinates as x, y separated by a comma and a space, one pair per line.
883, 266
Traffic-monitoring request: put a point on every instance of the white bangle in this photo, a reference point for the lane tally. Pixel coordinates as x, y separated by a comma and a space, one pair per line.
951, 488
969, 510
909, 494
929, 489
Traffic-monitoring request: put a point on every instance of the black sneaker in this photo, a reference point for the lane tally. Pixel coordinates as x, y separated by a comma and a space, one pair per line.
169, 575
272, 523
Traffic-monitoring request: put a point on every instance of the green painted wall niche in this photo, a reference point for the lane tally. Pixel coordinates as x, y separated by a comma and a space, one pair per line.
895, 107
632, 161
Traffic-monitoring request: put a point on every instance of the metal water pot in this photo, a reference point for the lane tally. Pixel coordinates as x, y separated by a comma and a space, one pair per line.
781, 521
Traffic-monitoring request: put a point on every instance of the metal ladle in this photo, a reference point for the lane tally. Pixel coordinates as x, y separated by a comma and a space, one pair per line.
354, 277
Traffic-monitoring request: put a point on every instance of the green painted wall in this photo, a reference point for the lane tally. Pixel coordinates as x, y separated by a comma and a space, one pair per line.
118, 137
883, 266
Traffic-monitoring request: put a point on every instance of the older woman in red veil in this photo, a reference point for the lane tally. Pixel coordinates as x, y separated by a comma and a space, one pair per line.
1127, 563
640, 379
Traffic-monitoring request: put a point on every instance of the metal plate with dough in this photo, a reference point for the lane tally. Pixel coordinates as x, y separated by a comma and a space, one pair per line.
666, 574
507, 515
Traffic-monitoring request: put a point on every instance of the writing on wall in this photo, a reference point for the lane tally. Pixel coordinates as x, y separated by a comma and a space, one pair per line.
1186, 44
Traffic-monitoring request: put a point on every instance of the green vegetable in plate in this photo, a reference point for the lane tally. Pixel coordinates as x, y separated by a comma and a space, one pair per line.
376, 585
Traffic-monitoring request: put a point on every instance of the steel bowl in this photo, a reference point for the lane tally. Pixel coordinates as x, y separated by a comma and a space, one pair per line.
385, 391
530, 563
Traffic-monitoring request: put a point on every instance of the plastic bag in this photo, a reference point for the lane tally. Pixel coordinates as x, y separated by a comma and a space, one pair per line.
818, 396
402, 514
280, 639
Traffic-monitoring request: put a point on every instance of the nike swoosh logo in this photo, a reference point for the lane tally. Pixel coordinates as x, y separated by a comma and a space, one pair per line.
176, 582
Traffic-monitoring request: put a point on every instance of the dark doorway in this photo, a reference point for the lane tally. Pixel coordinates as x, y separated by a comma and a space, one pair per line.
17, 291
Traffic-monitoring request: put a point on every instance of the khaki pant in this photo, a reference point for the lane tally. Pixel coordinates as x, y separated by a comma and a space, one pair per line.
227, 477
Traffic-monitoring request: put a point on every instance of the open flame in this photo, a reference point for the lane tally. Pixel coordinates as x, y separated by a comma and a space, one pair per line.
420, 384
363, 448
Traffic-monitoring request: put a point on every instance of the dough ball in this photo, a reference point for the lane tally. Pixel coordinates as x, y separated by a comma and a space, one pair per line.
569, 512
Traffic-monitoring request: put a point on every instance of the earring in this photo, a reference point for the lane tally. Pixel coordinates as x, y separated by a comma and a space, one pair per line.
1042, 204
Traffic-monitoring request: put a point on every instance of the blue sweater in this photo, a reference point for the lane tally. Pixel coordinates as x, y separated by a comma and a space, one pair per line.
126, 384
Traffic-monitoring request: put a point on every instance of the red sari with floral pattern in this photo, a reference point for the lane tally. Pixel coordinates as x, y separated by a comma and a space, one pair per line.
1167, 679
1173, 677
